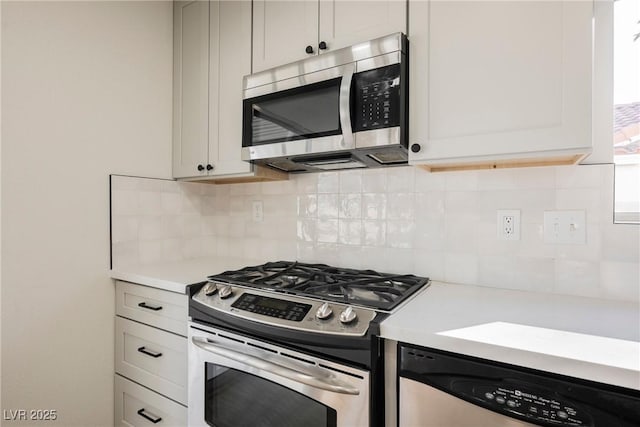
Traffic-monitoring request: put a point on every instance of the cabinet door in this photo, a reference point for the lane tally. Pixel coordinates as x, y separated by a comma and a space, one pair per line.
347, 22
230, 61
190, 87
499, 81
282, 30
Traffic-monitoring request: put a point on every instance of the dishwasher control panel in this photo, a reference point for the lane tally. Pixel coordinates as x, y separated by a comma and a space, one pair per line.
527, 403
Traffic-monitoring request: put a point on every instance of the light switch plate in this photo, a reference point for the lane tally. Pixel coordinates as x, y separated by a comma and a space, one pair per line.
565, 227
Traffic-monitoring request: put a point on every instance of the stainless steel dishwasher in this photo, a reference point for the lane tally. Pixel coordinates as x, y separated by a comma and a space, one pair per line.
442, 389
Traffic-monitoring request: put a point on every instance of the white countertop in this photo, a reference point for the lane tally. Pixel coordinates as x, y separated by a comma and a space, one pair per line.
588, 338
176, 276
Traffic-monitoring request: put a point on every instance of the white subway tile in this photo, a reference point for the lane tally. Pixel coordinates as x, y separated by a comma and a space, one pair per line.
152, 184
398, 261
209, 246
149, 203
461, 234
577, 278
124, 202
534, 274
124, 254
305, 182
401, 206
191, 226
350, 206
374, 258
171, 203
172, 249
531, 203
307, 205
532, 243
607, 194
150, 227
497, 271
124, 228
429, 264
580, 199
350, 256
461, 180
591, 251
400, 179
620, 280
328, 205
351, 181
430, 206
328, 182
374, 233
327, 230
306, 230
400, 234
489, 244
150, 251
461, 268
517, 178
327, 253
374, 181
124, 183
579, 176
239, 189
209, 227
429, 235
208, 205
462, 203
286, 251
222, 225
236, 227
374, 206
429, 181
306, 252
621, 242
238, 206
350, 232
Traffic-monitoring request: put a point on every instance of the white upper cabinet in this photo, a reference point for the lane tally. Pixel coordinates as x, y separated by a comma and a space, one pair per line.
191, 87
288, 31
499, 83
212, 53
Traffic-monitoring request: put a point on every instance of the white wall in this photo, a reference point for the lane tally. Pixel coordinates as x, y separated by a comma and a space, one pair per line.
86, 91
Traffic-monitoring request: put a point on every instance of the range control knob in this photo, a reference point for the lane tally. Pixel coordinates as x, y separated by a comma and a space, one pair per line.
324, 312
415, 147
210, 289
348, 315
225, 291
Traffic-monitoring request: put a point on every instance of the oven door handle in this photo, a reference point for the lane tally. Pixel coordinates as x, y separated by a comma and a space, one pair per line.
345, 106
265, 363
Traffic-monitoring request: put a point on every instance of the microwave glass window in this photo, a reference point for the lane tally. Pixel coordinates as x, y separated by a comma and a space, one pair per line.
300, 113
235, 398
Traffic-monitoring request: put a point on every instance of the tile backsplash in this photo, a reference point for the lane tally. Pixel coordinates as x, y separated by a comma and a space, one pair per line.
404, 220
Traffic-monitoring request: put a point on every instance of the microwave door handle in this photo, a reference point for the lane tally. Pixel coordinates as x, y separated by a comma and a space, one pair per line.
264, 363
345, 106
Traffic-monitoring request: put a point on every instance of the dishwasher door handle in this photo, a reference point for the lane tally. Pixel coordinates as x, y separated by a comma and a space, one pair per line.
265, 362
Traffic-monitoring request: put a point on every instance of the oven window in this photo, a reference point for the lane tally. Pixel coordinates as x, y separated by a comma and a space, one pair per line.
234, 399
305, 112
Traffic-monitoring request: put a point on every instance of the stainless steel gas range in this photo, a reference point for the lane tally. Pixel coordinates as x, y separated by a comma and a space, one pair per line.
291, 344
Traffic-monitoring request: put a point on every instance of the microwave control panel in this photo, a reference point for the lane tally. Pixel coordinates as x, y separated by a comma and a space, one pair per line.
377, 98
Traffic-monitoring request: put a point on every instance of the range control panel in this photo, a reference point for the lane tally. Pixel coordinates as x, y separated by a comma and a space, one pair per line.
526, 403
272, 307
377, 98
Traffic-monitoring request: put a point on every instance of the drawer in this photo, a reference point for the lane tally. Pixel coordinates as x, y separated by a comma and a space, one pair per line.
133, 403
153, 358
162, 309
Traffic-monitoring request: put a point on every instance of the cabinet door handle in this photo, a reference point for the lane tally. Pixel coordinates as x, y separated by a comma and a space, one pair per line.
153, 418
309, 49
209, 167
322, 45
149, 353
150, 307
200, 168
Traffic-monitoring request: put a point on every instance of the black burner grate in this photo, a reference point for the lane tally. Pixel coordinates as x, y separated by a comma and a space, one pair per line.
363, 287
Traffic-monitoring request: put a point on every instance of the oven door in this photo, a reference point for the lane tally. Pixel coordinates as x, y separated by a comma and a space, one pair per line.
237, 381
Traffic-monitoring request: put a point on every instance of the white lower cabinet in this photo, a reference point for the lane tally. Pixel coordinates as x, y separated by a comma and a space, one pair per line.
138, 406
150, 356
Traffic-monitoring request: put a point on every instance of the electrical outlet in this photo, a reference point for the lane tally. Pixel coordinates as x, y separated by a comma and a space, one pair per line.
257, 211
508, 224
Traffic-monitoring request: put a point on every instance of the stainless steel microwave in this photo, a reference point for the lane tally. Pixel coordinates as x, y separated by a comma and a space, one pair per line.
338, 110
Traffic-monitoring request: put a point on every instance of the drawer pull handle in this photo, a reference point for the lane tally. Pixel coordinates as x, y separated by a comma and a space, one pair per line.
150, 307
149, 353
154, 419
